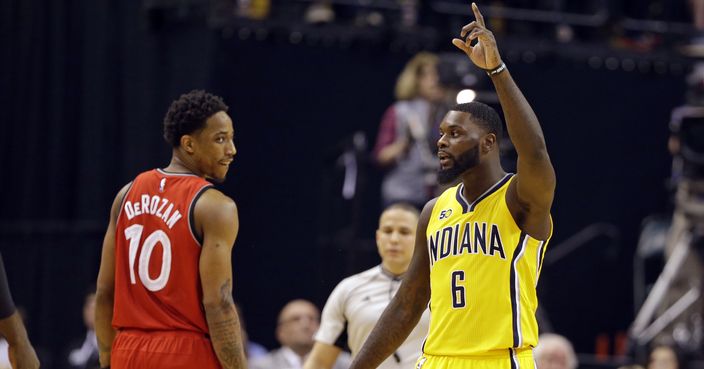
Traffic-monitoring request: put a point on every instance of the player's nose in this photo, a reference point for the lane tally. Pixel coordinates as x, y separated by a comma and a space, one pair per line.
395, 236
231, 149
442, 142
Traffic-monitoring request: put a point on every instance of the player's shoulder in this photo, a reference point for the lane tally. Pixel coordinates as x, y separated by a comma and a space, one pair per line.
123, 191
213, 199
120, 198
428, 209
214, 205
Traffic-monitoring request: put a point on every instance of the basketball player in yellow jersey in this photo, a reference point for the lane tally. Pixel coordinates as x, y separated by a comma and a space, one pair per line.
480, 244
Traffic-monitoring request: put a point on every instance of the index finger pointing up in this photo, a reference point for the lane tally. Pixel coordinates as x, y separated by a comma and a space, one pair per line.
478, 15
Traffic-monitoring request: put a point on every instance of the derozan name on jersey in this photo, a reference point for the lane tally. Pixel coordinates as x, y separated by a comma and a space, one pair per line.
154, 205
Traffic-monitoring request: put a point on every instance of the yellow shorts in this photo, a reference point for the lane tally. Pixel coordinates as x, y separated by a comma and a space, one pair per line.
518, 359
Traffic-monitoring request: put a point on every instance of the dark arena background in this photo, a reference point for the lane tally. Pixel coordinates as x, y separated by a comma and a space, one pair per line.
85, 85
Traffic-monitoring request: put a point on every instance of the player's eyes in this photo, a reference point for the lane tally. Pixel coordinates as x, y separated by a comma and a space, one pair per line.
220, 139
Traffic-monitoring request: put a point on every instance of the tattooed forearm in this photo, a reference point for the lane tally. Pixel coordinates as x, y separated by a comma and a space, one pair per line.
225, 330
226, 340
226, 295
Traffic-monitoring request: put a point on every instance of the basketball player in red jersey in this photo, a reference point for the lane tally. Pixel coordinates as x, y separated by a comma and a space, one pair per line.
164, 297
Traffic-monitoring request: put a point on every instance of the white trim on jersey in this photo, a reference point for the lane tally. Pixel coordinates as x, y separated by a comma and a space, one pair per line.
517, 297
514, 358
161, 171
493, 187
537, 264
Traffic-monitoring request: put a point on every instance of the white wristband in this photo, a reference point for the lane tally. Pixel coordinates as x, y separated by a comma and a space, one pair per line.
497, 70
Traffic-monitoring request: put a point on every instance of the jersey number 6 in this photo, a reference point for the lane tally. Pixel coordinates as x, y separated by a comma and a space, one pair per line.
134, 234
458, 295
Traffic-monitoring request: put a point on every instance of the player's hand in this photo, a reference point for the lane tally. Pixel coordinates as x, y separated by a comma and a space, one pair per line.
22, 356
484, 54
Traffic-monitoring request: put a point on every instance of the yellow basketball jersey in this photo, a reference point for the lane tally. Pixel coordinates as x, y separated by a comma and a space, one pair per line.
483, 274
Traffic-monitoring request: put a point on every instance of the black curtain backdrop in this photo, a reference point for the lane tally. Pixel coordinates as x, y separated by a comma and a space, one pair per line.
84, 89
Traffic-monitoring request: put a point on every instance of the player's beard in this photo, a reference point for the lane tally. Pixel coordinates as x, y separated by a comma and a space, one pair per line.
465, 161
216, 180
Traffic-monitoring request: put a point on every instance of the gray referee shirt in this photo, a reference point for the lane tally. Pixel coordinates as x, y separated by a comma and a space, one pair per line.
354, 307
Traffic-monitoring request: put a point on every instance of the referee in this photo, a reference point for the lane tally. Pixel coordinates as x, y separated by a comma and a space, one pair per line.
355, 305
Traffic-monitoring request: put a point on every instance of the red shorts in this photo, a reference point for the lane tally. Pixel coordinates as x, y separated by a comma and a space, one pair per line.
136, 349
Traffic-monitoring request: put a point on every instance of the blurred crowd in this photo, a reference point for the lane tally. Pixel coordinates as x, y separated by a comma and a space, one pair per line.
625, 24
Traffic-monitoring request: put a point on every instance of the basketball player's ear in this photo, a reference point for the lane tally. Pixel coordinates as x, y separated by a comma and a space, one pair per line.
489, 142
187, 143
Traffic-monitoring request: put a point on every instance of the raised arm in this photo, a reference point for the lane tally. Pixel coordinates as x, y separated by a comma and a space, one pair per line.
534, 186
105, 287
405, 309
216, 217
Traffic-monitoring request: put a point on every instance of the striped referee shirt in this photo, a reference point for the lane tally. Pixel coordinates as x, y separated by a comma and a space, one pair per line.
354, 307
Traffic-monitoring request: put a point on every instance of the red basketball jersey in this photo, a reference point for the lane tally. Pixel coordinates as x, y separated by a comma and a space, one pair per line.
157, 283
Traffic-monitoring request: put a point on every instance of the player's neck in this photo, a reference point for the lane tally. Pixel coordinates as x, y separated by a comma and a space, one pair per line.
301, 350
393, 271
178, 165
480, 178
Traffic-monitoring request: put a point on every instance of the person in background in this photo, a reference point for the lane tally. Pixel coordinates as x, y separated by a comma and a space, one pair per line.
663, 357
354, 306
297, 323
405, 145
555, 352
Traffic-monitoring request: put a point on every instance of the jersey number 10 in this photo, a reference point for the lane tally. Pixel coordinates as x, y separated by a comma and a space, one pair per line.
134, 234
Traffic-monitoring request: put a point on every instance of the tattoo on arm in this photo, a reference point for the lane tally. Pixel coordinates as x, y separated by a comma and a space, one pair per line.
226, 294
225, 330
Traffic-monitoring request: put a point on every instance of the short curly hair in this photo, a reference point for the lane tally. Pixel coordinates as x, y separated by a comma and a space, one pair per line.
188, 114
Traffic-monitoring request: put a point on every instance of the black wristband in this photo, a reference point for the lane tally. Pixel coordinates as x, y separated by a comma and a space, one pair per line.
497, 70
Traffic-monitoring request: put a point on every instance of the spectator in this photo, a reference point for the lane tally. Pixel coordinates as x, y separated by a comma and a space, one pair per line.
405, 146
555, 352
663, 357
298, 321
